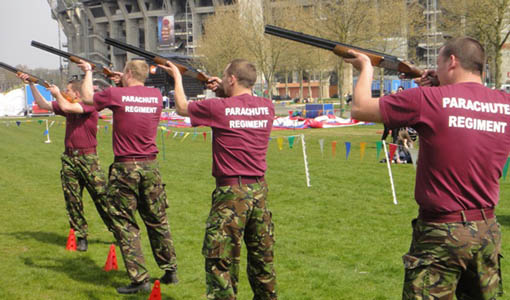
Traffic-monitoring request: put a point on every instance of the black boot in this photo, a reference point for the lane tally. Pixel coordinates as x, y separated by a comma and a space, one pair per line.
82, 244
135, 287
170, 277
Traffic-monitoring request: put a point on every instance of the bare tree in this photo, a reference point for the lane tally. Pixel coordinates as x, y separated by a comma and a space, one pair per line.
484, 20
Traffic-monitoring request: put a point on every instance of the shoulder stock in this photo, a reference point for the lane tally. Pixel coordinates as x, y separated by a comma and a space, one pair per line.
342, 51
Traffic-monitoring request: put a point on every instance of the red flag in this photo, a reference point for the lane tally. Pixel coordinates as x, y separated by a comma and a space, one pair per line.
393, 148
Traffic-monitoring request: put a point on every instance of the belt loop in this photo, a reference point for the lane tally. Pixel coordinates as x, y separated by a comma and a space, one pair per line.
464, 220
484, 216
239, 179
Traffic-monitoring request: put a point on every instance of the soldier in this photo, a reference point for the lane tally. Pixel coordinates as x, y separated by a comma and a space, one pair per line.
241, 125
464, 143
134, 180
80, 163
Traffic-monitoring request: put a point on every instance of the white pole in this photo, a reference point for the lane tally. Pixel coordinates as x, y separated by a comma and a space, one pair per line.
48, 133
389, 172
306, 161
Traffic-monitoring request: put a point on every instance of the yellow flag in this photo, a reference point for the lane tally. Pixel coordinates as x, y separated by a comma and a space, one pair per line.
362, 146
185, 136
280, 143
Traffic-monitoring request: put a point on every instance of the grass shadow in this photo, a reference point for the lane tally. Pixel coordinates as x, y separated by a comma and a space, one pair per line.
51, 238
81, 268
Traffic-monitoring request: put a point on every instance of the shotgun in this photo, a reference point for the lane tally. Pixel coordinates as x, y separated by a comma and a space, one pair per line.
37, 80
377, 59
31, 78
197, 74
74, 58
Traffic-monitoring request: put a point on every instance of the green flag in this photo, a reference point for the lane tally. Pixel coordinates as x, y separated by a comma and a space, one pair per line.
505, 169
291, 141
379, 147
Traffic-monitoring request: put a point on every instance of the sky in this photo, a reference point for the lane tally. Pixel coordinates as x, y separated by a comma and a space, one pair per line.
22, 21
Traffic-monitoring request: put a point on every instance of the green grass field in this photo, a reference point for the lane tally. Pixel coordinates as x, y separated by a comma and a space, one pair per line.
342, 238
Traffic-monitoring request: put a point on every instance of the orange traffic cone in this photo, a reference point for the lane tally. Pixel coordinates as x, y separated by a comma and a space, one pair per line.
156, 291
111, 260
71, 241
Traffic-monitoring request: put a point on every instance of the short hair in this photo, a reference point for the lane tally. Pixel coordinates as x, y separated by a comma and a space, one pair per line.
139, 69
244, 71
468, 51
75, 84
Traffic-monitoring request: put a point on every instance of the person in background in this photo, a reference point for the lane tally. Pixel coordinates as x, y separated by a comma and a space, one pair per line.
80, 163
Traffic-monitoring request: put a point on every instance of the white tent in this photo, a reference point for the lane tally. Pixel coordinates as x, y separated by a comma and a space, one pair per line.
13, 103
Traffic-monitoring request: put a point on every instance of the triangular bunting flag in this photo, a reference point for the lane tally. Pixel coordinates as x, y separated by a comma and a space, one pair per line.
321, 145
505, 169
362, 147
18, 123
291, 141
279, 141
347, 149
379, 147
185, 136
393, 148
39, 121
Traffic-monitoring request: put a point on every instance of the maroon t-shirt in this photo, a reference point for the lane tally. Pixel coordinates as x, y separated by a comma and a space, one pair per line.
464, 142
81, 128
136, 112
241, 128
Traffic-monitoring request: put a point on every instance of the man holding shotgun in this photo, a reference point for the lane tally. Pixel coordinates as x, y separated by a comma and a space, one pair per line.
456, 241
80, 163
241, 125
134, 180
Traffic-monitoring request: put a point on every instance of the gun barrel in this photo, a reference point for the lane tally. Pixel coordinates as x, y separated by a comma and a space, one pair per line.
316, 41
50, 49
7, 67
70, 56
129, 48
31, 78
156, 58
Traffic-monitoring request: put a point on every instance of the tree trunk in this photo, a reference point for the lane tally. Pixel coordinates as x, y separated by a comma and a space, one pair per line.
309, 86
300, 85
287, 83
320, 85
340, 88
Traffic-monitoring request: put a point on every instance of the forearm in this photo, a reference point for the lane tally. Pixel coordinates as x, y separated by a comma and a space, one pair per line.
364, 107
181, 104
87, 89
67, 106
39, 99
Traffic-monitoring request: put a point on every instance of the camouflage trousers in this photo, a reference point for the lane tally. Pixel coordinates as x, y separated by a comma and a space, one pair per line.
239, 212
78, 172
137, 186
453, 258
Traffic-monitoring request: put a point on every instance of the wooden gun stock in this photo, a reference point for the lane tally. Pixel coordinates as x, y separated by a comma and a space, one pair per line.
74, 58
157, 59
377, 59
